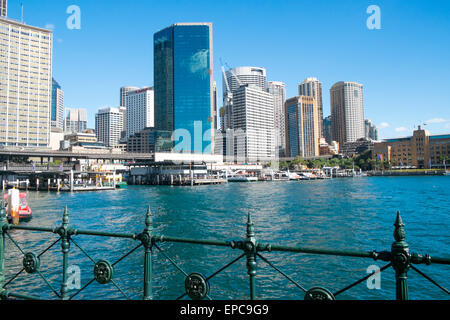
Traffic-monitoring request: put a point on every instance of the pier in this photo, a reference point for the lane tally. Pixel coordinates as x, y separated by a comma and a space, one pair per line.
57, 181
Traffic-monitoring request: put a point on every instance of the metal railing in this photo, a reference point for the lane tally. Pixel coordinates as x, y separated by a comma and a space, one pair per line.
197, 285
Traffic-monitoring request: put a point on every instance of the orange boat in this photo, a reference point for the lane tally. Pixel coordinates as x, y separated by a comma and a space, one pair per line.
25, 212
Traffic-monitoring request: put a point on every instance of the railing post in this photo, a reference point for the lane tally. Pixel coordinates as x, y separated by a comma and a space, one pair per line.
147, 240
250, 249
65, 248
3, 222
401, 259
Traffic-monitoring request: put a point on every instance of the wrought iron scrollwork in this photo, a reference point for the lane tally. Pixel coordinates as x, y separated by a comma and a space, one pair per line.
197, 287
103, 272
31, 262
319, 294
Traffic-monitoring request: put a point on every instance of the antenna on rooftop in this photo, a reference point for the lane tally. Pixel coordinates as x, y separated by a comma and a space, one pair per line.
21, 19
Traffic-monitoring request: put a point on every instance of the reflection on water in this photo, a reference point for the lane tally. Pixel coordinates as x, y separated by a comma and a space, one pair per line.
341, 213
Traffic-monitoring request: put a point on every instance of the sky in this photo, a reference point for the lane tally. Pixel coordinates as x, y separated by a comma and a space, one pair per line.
404, 66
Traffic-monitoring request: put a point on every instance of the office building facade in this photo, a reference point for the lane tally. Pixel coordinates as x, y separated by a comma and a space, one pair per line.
347, 112
183, 83
327, 131
235, 78
254, 137
57, 113
76, 121
278, 91
109, 125
302, 127
311, 87
123, 94
3, 8
371, 130
25, 84
421, 150
140, 110
123, 103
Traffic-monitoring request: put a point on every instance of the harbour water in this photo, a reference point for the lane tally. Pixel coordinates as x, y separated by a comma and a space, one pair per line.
353, 213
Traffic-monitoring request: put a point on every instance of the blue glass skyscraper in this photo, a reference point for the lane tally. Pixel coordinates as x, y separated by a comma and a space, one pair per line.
183, 84
57, 107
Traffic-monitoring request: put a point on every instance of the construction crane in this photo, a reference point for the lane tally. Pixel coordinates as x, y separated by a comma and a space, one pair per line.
225, 78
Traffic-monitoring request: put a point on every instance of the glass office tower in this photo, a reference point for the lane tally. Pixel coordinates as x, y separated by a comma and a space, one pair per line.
57, 110
183, 84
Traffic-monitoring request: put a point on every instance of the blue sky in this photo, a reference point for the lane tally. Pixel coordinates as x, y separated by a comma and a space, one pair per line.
404, 66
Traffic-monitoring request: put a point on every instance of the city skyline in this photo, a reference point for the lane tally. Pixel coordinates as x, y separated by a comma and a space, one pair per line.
395, 91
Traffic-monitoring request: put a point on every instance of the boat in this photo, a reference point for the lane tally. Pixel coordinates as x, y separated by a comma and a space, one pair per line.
24, 212
121, 185
242, 178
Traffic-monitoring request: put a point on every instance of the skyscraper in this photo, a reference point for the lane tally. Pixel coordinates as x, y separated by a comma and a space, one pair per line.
57, 113
25, 84
253, 125
140, 110
278, 91
302, 132
327, 131
123, 103
108, 125
123, 94
371, 131
311, 87
215, 116
3, 8
183, 83
76, 121
235, 78
347, 112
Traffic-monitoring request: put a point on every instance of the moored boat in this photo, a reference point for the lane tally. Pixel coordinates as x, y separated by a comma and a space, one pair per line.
242, 178
16, 207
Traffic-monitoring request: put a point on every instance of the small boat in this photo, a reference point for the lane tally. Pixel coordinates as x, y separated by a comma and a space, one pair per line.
121, 185
24, 212
242, 178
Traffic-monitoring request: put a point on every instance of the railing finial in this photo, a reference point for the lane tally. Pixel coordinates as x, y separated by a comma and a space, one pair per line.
250, 228
148, 217
399, 231
65, 220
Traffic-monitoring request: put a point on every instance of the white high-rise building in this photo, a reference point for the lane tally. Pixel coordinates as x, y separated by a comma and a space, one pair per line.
140, 110
123, 95
233, 79
76, 121
311, 87
253, 125
25, 83
109, 125
347, 112
123, 103
3, 8
278, 91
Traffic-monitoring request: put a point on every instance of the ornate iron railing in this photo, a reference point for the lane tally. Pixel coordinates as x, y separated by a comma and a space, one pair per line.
197, 285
